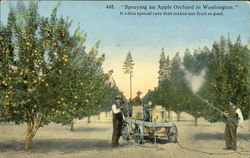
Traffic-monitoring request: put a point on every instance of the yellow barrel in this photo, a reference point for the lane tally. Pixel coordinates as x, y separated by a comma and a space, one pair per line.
137, 112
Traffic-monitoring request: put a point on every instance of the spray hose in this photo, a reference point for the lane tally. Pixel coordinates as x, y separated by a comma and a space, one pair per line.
221, 112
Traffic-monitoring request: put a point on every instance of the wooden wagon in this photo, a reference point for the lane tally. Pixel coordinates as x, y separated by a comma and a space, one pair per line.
140, 129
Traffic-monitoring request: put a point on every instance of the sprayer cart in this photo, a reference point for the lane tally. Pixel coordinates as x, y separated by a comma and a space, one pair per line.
156, 128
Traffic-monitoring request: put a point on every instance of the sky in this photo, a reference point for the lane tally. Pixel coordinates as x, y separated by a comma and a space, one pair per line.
145, 36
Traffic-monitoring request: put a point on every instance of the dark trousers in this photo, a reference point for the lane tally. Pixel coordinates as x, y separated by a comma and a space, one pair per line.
230, 135
117, 128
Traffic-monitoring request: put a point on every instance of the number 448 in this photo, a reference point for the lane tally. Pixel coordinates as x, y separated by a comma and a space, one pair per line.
110, 6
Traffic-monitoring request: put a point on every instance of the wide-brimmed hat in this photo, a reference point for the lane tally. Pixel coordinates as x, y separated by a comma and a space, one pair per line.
232, 100
138, 92
118, 97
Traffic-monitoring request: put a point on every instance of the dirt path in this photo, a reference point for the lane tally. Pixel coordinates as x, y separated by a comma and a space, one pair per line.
93, 140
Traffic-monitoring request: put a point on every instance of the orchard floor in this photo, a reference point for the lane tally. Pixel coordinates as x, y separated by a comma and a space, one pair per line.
93, 140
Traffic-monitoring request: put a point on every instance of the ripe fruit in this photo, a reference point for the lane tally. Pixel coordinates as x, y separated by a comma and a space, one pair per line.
5, 104
62, 33
4, 83
34, 81
25, 82
65, 57
28, 44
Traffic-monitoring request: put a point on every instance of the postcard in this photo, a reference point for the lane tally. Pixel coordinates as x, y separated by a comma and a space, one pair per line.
110, 79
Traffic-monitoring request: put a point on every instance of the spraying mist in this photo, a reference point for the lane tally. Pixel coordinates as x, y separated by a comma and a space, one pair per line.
195, 81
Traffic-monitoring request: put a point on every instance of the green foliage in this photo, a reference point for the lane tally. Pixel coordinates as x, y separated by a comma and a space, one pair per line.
46, 71
227, 75
161, 65
164, 67
148, 97
128, 65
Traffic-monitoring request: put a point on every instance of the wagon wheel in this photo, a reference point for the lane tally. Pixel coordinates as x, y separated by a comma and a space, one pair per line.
125, 132
172, 134
138, 135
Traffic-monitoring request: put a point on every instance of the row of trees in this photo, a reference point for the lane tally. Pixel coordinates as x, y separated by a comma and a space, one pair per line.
46, 75
226, 68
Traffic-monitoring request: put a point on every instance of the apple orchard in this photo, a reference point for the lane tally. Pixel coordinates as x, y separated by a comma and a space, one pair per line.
46, 74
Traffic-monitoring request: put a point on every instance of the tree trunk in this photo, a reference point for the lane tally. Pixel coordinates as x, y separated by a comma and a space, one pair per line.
32, 127
72, 126
178, 116
195, 121
99, 116
28, 139
88, 119
106, 114
130, 76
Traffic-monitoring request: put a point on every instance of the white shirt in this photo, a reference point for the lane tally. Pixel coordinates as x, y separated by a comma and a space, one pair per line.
238, 111
115, 110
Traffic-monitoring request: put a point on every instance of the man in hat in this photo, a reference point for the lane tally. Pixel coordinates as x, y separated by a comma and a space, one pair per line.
137, 99
117, 121
147, 110
234, 118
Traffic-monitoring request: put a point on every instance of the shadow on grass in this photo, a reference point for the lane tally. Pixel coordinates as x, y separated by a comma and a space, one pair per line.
98, 122
184, 120
59, 145
203, 125
219, 136
90, 129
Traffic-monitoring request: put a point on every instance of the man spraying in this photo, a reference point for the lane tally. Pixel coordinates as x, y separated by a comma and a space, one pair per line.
234, 118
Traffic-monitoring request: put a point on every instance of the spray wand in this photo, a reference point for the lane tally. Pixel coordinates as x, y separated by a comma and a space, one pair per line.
221, 112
